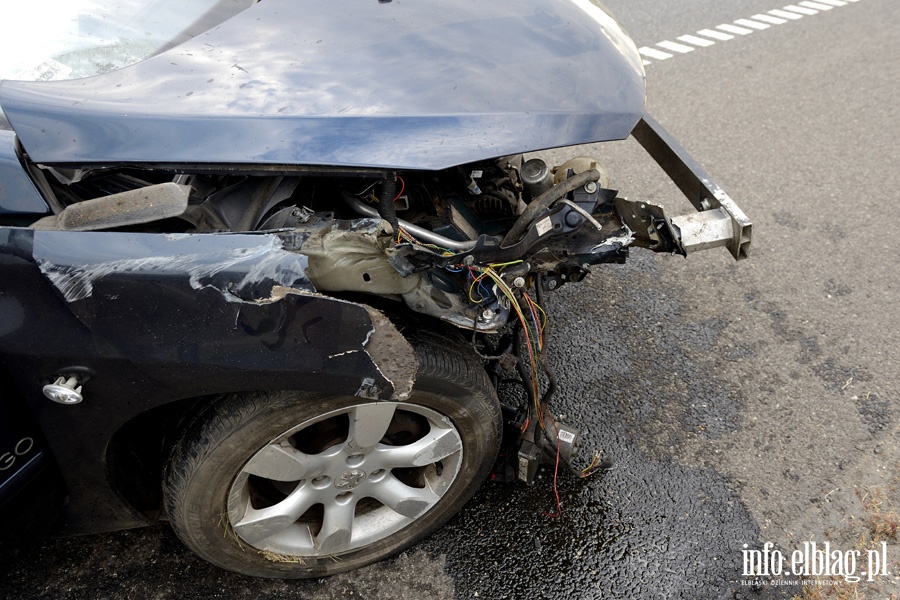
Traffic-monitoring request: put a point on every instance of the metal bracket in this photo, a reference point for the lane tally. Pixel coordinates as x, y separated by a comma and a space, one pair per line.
720, 222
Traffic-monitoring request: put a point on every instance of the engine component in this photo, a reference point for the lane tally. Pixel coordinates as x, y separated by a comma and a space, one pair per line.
419, 232
536, 177
580, 164
544, 201
545, 444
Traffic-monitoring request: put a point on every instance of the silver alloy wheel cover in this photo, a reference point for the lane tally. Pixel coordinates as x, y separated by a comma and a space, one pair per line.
339, 477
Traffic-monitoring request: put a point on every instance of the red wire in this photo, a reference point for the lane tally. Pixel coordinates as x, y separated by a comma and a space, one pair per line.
558, 512
402, 187
534, 316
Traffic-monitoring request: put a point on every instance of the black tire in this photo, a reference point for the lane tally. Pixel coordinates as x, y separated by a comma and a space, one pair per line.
211, 459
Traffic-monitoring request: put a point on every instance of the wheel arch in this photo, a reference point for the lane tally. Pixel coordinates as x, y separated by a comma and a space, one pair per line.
137, 450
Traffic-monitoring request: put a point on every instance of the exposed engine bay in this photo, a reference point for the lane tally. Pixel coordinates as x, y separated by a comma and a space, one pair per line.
471, 245
462, 244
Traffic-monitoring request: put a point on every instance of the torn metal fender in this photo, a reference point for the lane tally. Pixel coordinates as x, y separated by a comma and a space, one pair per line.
154, 318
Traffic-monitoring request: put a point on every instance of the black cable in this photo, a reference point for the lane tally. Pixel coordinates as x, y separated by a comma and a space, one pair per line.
386, 203
551, 381
539, 289
520, 366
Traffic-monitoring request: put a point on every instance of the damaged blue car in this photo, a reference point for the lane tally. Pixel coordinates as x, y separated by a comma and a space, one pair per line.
263, 265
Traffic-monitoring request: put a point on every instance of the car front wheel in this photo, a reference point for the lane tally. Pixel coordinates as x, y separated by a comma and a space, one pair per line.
289, 484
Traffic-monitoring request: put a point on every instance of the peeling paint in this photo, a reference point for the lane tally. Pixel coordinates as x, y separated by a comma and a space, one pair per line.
266, 262
344, 353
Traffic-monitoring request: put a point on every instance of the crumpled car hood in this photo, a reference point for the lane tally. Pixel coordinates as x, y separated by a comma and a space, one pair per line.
413, 85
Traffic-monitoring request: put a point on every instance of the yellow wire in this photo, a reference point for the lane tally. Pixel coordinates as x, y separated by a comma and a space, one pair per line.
501, 285
538, 306
506, 264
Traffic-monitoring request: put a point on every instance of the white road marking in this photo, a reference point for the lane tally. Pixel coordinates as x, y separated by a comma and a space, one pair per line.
815, 5
697, 41
752, 24
769, 19
716, 34
675, 47
800, 9
734, 29
727, 31
654, 53
783, 13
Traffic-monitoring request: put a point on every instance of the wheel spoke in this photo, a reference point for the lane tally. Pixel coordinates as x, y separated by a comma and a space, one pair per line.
258, 525
337, 527
369, 423
282, 462
401, 498
437, 445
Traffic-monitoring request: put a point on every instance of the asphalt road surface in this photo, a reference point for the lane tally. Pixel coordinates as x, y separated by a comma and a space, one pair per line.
743, 403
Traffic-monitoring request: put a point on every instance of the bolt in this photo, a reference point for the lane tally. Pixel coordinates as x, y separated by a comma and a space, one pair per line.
551, 285
590, 187
487, 314
519, 282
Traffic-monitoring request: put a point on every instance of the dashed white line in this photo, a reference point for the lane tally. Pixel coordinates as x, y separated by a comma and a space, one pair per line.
787, 15
800, 9
815, 5
718, 35
769, 19
675, 47
654, 53
728, 31
734, 29
697, 41
752, 24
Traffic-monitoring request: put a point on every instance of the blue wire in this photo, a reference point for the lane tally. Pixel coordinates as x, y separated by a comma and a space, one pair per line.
487, 293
